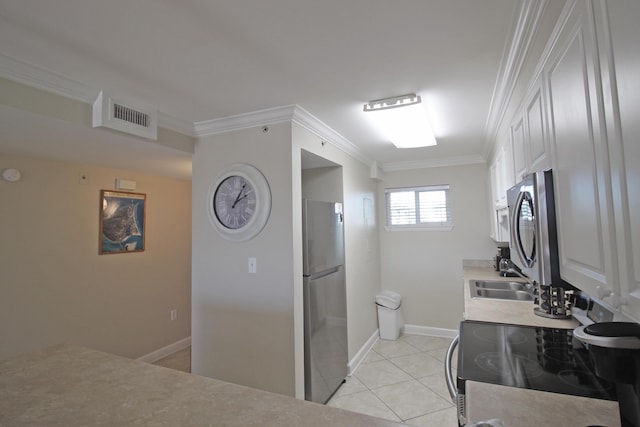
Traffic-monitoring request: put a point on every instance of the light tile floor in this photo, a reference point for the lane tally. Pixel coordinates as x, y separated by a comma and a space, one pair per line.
400, 380
403, 381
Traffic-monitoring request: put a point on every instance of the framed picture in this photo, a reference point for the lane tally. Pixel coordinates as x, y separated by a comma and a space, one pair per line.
122, 226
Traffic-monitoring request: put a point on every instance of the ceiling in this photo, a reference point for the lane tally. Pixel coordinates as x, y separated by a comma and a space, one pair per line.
199, 60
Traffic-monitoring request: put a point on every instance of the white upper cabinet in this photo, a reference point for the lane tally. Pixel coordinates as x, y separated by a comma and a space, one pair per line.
618, 41
529, 135
507, 171
501, 178
581, 116
537, 143
519, 150
580, 156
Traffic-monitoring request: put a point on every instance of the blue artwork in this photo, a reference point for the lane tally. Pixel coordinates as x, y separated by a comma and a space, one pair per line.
121, 222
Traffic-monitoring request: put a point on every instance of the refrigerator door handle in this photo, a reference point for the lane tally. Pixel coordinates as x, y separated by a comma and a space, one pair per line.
323, 273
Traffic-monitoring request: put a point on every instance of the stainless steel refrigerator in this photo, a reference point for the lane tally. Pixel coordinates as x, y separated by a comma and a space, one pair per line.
325, 300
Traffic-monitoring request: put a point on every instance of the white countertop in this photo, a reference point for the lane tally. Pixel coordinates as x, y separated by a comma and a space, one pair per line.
504, 311
517, 406
520, 407
68, 385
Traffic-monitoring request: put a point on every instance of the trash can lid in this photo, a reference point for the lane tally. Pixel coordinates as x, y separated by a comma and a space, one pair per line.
389, 299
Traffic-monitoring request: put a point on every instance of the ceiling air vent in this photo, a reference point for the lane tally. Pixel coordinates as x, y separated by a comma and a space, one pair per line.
125, 116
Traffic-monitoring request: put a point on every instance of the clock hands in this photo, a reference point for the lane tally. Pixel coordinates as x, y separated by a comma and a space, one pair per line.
238, 198
234, 203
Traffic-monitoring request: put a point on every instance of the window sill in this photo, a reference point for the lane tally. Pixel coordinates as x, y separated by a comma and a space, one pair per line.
419, 228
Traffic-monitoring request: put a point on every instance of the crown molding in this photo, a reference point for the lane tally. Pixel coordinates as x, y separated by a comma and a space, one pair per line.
316, 126
288, 113
434, 163
39, 78
526, 25
264, 117
49, 81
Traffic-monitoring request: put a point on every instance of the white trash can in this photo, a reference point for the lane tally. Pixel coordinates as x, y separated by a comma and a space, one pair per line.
389, 315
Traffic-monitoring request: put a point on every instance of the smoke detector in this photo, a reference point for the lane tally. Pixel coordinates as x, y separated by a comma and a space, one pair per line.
125, 116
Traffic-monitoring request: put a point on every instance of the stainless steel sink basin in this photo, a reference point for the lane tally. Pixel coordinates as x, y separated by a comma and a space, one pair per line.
515, 291
494, 284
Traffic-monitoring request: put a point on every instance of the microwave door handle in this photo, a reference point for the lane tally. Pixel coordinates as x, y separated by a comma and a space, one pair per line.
448, 374
515, 234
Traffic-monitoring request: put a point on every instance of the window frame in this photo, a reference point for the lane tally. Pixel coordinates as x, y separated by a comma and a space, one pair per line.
419, 226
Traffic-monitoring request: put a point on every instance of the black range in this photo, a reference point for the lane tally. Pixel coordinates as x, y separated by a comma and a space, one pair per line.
529, 357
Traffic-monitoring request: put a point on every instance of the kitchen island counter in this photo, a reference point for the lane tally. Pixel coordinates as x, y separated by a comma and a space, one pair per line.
68, 385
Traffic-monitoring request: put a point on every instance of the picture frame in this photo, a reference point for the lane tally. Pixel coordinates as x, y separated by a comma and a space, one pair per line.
122, 222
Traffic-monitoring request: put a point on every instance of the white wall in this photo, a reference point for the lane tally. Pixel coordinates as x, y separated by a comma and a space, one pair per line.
323, 184
54, 287
425, 267
242, 324
248, 328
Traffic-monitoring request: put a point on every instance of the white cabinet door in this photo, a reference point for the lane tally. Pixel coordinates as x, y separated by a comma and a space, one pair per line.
493, 219
507, 171
495, 182
503, 225
500, 179
536, 135
580, 156
618, 38
519, 150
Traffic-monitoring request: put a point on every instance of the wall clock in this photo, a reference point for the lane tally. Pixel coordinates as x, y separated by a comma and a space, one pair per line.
239, 202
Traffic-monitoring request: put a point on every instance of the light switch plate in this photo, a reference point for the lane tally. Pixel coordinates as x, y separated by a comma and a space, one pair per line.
11, 175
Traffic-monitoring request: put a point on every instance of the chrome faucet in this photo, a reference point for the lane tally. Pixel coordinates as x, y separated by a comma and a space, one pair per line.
530, 283
506, 266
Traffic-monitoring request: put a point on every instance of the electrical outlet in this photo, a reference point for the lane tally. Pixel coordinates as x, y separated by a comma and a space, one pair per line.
174, 314
252, 265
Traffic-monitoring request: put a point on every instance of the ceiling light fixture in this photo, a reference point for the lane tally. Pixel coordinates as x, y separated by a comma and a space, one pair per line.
403, 120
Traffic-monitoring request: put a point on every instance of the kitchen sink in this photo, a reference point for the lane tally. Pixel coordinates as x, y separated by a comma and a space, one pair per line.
493, 289
494, 284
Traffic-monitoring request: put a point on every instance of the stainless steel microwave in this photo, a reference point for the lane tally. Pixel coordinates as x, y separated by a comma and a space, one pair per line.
532, 228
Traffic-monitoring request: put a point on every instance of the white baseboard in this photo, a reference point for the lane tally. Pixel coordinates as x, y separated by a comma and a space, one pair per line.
430, 331
163, 352
362, 353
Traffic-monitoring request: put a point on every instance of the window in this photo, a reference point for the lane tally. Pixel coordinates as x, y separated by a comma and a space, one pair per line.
418, 207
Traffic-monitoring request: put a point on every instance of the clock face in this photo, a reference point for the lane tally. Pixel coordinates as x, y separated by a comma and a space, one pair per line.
234, 202
239, 202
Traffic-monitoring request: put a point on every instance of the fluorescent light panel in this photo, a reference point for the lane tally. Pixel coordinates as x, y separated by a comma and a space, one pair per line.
403, 120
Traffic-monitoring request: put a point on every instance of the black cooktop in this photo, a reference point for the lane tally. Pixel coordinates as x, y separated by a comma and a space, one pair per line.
530, 357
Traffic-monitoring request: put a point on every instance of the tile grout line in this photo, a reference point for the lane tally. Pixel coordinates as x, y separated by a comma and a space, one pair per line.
413, 379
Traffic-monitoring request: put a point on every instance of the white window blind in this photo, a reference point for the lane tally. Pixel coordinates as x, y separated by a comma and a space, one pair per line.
418, 207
